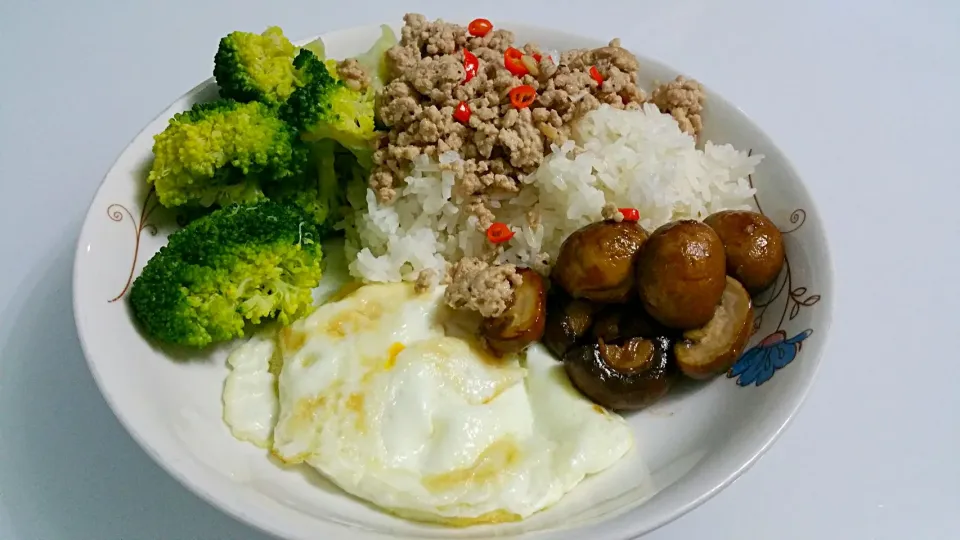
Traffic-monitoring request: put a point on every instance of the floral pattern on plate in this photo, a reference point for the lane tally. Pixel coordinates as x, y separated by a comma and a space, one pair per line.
758, 364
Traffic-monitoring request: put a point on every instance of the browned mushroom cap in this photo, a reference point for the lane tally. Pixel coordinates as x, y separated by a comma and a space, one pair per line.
597, 261
753, 246
624, 377
712, 349
568, 320
680, 274
523, 322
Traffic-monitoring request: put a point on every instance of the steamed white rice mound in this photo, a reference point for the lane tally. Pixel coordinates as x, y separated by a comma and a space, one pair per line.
632, 159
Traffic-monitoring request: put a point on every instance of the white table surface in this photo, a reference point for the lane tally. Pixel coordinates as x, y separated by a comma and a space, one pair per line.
862, 95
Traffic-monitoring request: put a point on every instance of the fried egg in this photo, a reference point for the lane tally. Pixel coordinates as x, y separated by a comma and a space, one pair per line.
380, 395
250, 402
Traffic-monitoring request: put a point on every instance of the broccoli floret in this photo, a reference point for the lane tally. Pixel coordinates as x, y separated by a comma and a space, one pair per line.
252, 67
237, 264
323, 107
219, 152
319, 195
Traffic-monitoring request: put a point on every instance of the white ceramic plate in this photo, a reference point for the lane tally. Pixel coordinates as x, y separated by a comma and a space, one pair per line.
689, 446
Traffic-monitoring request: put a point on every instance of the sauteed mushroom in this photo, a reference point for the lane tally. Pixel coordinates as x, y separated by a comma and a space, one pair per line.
712, 349
680, 274
625, 377
753, 246
523, 322
597, 261
568, 320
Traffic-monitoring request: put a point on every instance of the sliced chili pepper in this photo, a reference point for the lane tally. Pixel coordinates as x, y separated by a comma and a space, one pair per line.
513, 61
470, 65
630, 214
499, 233
462, 112
479, 27
595, 75
522, 96
537, 57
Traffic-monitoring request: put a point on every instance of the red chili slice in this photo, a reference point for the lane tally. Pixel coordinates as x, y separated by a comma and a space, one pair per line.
522, 96
630, 214
462, 112
470, 65
479, 27
595, 75
513, 61
499, 233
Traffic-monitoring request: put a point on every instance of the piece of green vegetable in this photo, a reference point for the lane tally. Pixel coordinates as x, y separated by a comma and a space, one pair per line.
374, 61
325, 108
255, 67
220, 152
322, 194
317, 47
236, 265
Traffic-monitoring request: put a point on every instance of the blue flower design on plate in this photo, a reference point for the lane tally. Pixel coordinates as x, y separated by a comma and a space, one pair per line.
758, 364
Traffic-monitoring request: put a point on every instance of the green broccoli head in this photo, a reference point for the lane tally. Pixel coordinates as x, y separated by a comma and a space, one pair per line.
219, 152
318, 195
237, 264
255, 67
323, 107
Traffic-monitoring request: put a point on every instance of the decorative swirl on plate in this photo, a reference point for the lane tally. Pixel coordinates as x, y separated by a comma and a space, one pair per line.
758, 364
115, 212
798, 217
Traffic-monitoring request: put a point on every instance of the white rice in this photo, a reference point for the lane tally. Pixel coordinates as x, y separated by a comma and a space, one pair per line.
633, 159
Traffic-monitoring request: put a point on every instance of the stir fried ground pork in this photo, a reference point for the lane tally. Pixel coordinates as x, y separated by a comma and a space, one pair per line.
610, 211
479, 286
425, 281
499, 143
352, 74
683, 99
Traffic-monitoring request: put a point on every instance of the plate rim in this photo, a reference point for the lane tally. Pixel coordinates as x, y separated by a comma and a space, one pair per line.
236, 509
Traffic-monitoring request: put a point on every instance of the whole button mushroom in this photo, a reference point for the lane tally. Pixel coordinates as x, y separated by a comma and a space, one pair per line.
681, 274
753, 247
596, 262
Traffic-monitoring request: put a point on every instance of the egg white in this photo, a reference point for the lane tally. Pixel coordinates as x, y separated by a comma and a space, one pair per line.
383, 397
250, 404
